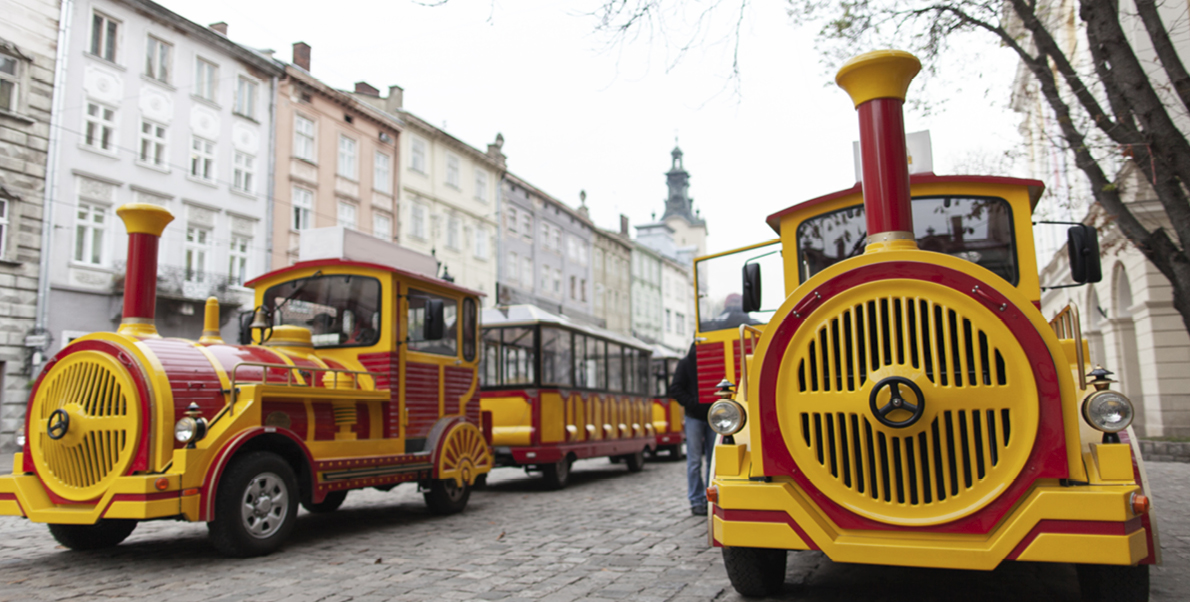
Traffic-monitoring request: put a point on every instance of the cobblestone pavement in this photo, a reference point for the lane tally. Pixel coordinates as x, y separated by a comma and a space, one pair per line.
609, 536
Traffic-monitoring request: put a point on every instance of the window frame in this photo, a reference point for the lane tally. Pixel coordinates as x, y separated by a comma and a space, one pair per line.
346, 207
348, 158
387, 234
245, 104
205, 157
197, 253
237, 275
417, 220
107, 45
305, 147
110, 127
158, 59
243, 176
453, 169
417, 155
302, 212
158, 143
210, 84
481, 185
86, 230
15, 80
382, 178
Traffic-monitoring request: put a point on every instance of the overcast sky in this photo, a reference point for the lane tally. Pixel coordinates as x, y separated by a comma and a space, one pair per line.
577, 115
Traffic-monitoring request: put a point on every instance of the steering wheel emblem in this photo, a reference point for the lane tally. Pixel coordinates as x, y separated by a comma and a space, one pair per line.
915, 406
58, 424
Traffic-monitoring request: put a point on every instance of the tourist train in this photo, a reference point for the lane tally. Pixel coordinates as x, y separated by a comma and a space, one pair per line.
904, 401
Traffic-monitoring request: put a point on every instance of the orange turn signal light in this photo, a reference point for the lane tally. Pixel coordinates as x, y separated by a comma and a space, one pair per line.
190, 491
713, 495
161, 484
1140, 503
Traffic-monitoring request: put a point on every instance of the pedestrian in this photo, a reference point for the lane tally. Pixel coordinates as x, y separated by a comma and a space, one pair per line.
700, 439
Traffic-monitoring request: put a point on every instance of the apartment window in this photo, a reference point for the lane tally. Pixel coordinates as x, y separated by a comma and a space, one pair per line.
90, 241
527, 272
237, 269
573, 281
245, 97
202, 159
545, 235
347, 213
198, 245
557, 283
511, 219
481, 242
152, 144
382, 226
244, 176
303, 138
680, 323
481, 185
418, 223
206, 78
514, 267
599, 296
10, 83
157, 59
598, 260
572, 247
104, 33
347, 167
453, 224
668, 321
582, 290
527, 225
417, 155
452, 170
582, 253
382, 173
100, 129
545, 278
303, 208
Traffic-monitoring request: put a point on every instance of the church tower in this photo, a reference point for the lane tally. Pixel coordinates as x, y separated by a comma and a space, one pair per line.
690, 230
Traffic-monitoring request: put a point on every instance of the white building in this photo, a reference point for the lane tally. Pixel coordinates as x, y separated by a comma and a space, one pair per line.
163, 111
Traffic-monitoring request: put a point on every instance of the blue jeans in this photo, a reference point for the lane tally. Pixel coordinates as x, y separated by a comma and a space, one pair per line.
700, 444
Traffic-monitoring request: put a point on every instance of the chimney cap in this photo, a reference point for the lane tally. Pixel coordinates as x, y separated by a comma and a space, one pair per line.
220, 27
366, 89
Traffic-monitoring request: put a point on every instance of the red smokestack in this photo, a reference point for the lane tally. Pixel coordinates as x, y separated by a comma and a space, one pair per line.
145, 223
877, 82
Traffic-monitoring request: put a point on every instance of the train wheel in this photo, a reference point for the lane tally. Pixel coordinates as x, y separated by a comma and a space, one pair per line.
1100, 582
557, 475
755, 572
106, 533
635, 462
447, 497
330, 503
255, 507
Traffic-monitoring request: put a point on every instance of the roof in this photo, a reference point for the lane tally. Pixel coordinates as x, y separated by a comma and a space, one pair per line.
317, 263
529, 315
208, 36
1036, 187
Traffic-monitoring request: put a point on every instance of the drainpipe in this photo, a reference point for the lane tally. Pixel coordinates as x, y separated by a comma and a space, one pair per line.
269, 218
41, 321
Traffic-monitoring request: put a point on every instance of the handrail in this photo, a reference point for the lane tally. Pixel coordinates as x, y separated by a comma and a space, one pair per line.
289, 377
1067, 325
743, 376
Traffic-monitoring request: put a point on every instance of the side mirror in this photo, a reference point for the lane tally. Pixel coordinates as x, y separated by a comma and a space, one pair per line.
1082, 241
751, 287
435, 322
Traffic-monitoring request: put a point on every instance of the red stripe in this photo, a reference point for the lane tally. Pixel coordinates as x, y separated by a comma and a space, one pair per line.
765, 516
1080, 527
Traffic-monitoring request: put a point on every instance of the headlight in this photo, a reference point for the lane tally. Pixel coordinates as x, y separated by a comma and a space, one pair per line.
21, 437
186, 430
726, 417
1108, 411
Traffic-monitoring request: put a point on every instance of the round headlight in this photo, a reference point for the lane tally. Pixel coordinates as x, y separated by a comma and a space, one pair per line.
21, 437
1108, 411
726, 417
185, 430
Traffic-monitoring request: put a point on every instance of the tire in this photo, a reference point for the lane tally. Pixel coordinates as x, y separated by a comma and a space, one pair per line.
481, 482
677, 452
635, 462
255, 506
1100, 582
106, 533
557, 475
444, 497
330, 503
755, 572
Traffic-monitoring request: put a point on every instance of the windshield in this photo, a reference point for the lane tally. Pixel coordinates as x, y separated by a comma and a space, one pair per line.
978, 229
339, 310
721, 282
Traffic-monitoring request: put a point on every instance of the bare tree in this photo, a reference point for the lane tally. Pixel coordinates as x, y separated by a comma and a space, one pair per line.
1115, 101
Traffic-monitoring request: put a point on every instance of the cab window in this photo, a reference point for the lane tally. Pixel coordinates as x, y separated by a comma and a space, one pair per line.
341, 310
416, 324
720, 287
978, 229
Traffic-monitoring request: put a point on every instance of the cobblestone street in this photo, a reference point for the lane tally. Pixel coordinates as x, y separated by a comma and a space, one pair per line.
611, 535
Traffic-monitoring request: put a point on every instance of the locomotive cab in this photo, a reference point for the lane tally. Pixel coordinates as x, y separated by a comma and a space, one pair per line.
907, 404
351, 375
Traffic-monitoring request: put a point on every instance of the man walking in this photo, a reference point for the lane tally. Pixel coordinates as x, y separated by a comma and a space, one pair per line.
700, 439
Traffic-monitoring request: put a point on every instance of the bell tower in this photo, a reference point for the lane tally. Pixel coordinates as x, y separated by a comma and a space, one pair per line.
690, 230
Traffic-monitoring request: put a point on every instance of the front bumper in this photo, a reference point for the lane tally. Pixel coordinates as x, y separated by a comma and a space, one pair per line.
137, 497
1090, 524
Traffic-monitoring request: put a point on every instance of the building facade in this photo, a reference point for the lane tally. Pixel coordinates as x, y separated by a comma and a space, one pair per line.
28, 48
337, 161
647, 309
546, 249
168, 112
611, 273
677, 304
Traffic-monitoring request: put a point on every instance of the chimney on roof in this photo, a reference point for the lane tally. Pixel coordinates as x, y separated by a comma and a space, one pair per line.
220, 27
395, 100
301, 55
366, 89
623, 225
495, 150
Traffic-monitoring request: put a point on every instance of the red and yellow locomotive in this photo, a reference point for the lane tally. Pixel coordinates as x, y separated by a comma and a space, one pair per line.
360, 375
908, 404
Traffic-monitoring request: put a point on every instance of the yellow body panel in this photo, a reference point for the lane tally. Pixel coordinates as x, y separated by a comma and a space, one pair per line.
729, 459
758, 535
512, 419
1090, 549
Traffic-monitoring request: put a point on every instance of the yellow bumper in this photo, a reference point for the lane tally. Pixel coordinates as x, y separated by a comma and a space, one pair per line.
1091, 524
138, 497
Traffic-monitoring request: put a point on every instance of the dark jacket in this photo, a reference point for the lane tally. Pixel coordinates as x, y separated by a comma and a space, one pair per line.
684, 387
